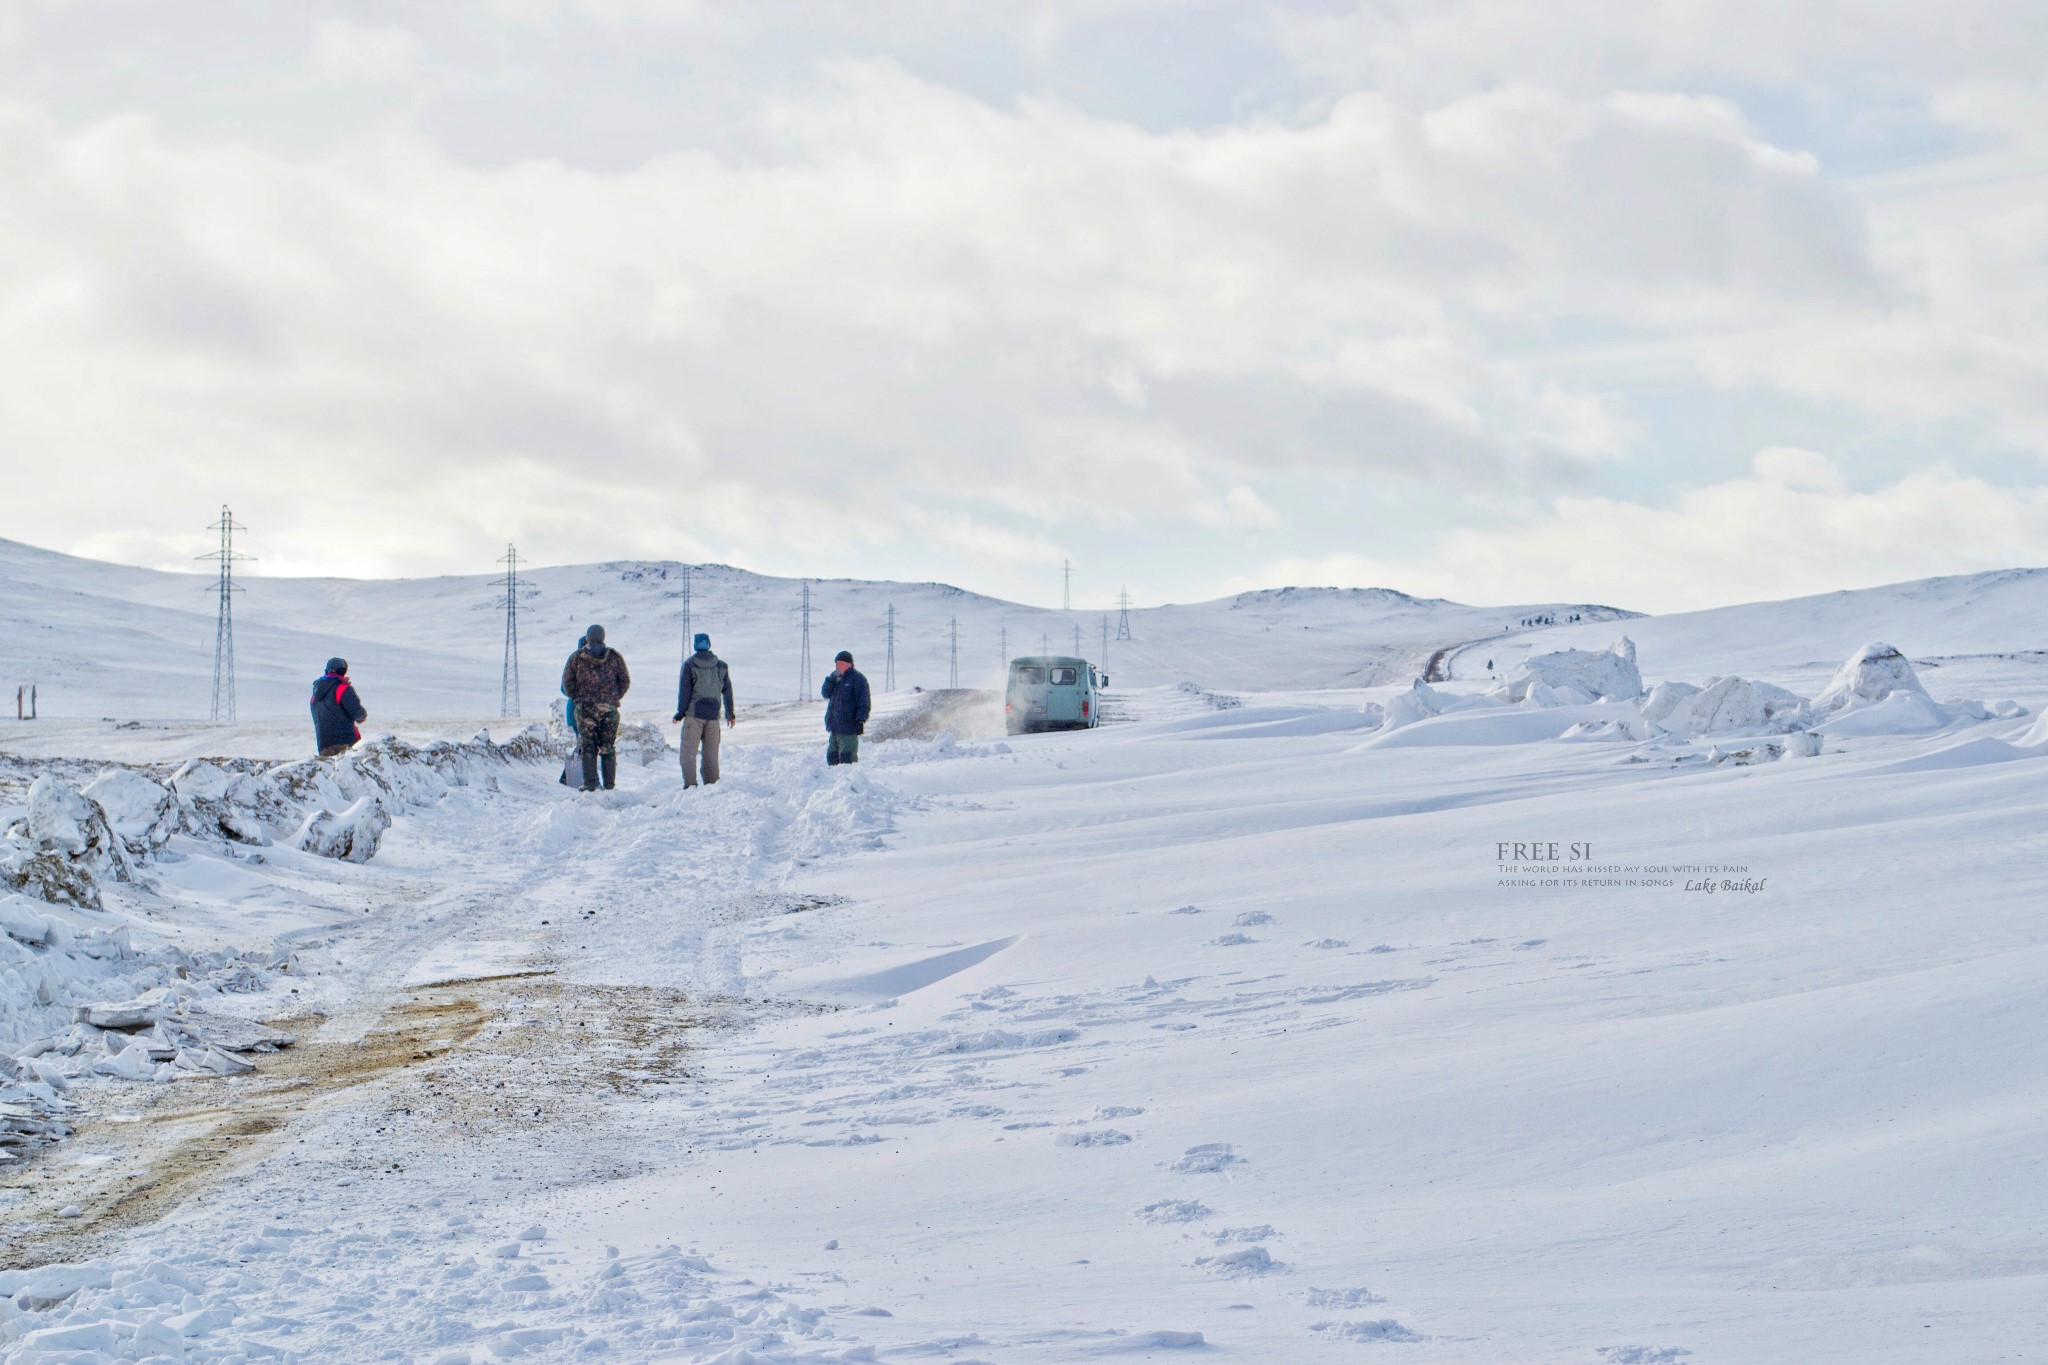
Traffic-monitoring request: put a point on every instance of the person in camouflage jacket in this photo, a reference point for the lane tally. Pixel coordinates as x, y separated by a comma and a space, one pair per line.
595, 678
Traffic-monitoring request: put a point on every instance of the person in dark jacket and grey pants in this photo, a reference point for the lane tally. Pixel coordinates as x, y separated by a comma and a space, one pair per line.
846, 710
705, 685
337, 711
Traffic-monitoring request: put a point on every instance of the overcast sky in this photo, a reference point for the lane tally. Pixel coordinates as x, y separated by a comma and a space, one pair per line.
1661, 304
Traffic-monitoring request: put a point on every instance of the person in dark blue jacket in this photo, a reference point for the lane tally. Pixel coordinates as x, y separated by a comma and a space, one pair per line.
846, 710
337, 711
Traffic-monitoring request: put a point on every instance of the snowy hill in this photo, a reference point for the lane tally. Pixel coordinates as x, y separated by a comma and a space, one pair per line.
107, 640
1991, 628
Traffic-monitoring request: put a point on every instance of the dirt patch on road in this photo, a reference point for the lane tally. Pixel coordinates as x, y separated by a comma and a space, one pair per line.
148, 1148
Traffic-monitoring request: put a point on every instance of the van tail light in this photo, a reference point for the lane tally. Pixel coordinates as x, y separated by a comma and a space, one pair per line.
1009, 706
1084, 708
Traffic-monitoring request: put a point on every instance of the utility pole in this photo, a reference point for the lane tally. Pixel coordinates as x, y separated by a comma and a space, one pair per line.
953, 652
1066, 585
1123, 615
889, 663
508, 686
804, 662
224, 620
689, 647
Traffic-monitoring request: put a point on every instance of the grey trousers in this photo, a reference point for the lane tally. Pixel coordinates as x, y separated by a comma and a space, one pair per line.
698, 731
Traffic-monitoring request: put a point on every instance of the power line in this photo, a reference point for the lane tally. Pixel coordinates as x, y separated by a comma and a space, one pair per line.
224, 621
804, 663
953, 652
889, 664
1123, 615
515, 589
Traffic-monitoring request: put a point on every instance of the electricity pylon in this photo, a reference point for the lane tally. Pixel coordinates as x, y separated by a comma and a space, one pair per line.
224, 621
889, 660
804, 661
515, 589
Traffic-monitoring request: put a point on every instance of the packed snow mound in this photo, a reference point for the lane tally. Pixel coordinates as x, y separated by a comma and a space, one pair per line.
1871, 674
1575, 677
1725, 707
1419, 702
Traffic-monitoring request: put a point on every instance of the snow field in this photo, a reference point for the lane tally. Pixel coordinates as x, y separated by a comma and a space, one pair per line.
1224, 1032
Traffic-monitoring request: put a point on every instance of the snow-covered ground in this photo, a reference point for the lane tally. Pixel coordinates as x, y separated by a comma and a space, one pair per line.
1240, 1029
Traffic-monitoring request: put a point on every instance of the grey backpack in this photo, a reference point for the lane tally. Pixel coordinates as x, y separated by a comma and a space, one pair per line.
704, 681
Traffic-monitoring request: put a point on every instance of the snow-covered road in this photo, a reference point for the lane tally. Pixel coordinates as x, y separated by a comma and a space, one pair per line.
1222, 1033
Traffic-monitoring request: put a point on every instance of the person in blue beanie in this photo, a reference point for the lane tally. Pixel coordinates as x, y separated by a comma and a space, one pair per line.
705, 685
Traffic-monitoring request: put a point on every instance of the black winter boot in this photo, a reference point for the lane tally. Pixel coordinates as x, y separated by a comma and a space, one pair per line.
611, 770
589, 773
831, 758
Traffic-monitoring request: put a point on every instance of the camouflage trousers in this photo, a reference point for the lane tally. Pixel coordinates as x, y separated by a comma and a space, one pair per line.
597, 728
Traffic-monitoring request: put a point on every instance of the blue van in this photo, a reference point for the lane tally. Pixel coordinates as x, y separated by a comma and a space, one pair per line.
1052, 692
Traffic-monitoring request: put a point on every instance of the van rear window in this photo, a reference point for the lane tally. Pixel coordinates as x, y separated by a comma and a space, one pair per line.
1030, 676
1065, 677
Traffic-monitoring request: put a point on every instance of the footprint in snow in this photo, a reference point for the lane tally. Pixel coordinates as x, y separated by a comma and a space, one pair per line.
1641, 1355
1106, 1137
1251, 917
1175, 1211
1207, 1158
1341, 1298
1239, 1265
1329, 943
1186, 910
1258, 1234
1232, 940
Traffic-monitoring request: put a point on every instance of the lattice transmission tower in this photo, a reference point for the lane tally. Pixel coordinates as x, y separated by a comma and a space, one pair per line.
689, 636
515, 590
1105, 639
1077, 639
1123, 615
889, 659
1003, 650
224, 622
1066, 585
803, 686
953, 652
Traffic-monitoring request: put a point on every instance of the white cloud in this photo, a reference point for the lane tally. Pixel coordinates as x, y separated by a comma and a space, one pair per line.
906, 293
343, 51
1789, 529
